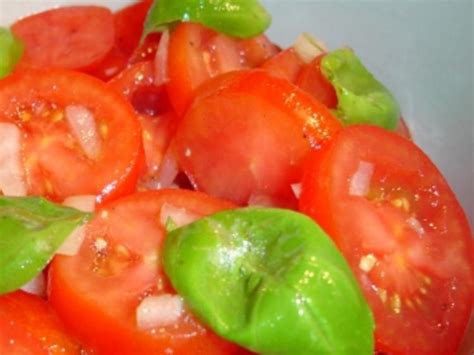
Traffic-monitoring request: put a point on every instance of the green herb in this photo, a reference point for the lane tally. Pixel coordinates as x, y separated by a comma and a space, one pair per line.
361, 98
239, 18
271, 281
31, 230
11, 50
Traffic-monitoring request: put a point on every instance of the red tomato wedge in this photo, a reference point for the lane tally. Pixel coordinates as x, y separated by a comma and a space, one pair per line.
312, 80
286, 65
75, 37
78, 136
152, 105
403, 232
246, 140
197, 53
28, 325
97, 291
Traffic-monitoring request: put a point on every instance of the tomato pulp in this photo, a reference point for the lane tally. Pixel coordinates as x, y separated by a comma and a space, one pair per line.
403, 232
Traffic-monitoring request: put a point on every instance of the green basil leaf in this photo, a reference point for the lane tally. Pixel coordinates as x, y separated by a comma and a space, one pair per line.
238, 18
361, 97
31, 230
11, 50
270, 280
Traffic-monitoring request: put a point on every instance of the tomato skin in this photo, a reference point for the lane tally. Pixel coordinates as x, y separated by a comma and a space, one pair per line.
225, 147
312, 80
96, 293
420, 287
197, 53
286, 65
89, 31
28, 325
112, 174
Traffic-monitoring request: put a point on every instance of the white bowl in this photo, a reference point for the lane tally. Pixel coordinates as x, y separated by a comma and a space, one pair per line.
422, 53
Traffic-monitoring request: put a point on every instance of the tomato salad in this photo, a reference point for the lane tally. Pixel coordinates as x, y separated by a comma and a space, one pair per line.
173, 182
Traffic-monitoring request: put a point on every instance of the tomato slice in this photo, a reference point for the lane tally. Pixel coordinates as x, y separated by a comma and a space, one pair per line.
246, 140
78, 136
312, 80
74, 37
97, 291
403, 232
197, 53
157, 118
28, 325
286, 65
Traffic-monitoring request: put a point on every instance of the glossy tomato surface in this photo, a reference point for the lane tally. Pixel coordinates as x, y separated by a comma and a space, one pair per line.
97, 291
28, 325
246, 139
403, 232
58, 160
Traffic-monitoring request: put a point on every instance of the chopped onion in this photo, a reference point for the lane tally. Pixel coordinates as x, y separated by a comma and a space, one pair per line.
180, 216
360, 181
415, 225
167, 172
296, 188
157, 311
308, 47
83, 126
258, 200
73, 242
161, 59
12, 179
36, 286
84, 203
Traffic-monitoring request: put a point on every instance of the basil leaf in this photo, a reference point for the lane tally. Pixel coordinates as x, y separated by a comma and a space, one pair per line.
271, 281
238, 18
31, 230
361, 98
11, 50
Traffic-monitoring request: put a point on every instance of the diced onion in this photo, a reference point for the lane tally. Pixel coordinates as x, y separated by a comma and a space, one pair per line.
73, 242
259, 200
161, 60
158, 311
416, 225
84, 203
296, 188
167, 172
36, 286
83, 126
308, 47
360, 181
180, 216
12, 179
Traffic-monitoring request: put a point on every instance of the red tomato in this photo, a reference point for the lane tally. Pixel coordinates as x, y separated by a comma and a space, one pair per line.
28, 325
312, 80
97, 291
246, 140
79, 136
286, 65
403, 232
151, 103
197, 53
75, 37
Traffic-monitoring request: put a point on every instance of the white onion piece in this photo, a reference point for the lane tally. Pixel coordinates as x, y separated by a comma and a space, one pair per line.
180, 216
360, 181
73, 242
296, 188
161, 59
158, 311
167, 172
258, 200
415, 224
36, 286
308, 47
12, 176
83, 126
84, 203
